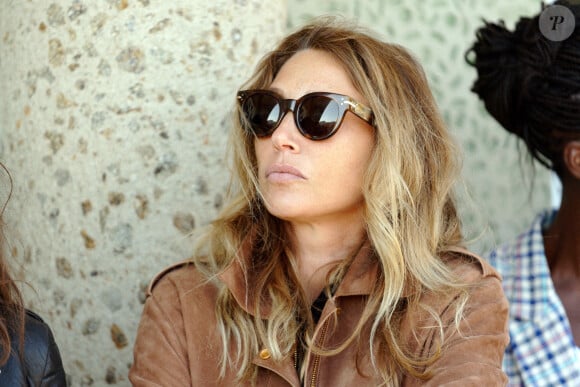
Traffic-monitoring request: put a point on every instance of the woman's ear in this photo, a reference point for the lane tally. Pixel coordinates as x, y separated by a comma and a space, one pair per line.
572, 158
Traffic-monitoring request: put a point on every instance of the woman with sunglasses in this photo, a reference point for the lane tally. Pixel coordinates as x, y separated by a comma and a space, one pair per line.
531, 85
338, 260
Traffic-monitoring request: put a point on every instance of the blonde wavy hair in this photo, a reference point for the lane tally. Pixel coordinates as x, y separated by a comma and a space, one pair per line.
410, 214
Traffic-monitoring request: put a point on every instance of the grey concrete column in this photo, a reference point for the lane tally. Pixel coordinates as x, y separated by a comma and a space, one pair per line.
113, 120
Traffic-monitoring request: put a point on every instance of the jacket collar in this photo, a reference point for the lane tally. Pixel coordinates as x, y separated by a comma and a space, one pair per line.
361, 275
358, 280
236, 275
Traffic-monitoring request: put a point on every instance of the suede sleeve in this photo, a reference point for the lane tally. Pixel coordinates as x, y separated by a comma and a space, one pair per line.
472, 355
475, 359
160, 353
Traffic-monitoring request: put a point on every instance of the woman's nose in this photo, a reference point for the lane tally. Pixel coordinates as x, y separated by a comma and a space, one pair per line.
286, 134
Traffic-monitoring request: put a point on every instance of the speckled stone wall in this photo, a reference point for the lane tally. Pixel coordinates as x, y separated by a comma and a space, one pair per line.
113, 117
113, 120
494, 199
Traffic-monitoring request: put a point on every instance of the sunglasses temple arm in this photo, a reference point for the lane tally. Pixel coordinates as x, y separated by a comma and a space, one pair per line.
361, 110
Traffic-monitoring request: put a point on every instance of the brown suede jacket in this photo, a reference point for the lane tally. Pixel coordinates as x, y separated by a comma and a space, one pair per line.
178, 344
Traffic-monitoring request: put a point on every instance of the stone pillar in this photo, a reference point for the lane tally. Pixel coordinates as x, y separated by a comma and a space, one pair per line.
113, 122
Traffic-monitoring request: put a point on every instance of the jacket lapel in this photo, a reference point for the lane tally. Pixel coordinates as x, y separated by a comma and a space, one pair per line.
358, 280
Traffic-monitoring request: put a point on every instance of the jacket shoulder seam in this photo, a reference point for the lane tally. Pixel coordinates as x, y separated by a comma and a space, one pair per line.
167, 270
485, 268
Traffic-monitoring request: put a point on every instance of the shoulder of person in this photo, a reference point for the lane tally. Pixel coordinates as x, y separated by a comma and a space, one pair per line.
41, 353
468, 264
36, 331
178, 273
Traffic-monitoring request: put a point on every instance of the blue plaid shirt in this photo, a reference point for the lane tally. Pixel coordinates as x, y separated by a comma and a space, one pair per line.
541, 350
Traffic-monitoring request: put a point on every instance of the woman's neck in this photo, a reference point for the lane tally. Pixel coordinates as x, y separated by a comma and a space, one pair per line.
319, 247
562, 237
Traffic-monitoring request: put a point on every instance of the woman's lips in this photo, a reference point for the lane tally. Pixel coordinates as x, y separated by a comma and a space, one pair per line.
283, 172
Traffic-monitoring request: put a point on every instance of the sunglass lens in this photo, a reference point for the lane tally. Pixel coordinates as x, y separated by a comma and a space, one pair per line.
317, 117
262, 111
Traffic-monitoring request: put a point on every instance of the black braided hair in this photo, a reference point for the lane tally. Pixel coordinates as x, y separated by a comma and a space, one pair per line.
530, 84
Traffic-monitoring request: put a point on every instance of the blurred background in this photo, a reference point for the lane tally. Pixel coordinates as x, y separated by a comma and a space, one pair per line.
113, 121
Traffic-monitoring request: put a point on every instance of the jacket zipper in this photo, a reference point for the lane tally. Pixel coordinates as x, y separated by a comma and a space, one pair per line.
316, 364
296, 357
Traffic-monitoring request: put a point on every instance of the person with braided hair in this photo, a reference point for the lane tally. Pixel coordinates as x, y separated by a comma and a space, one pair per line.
531, 86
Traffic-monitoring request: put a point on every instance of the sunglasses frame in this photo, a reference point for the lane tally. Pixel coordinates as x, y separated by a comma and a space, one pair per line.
344, 102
